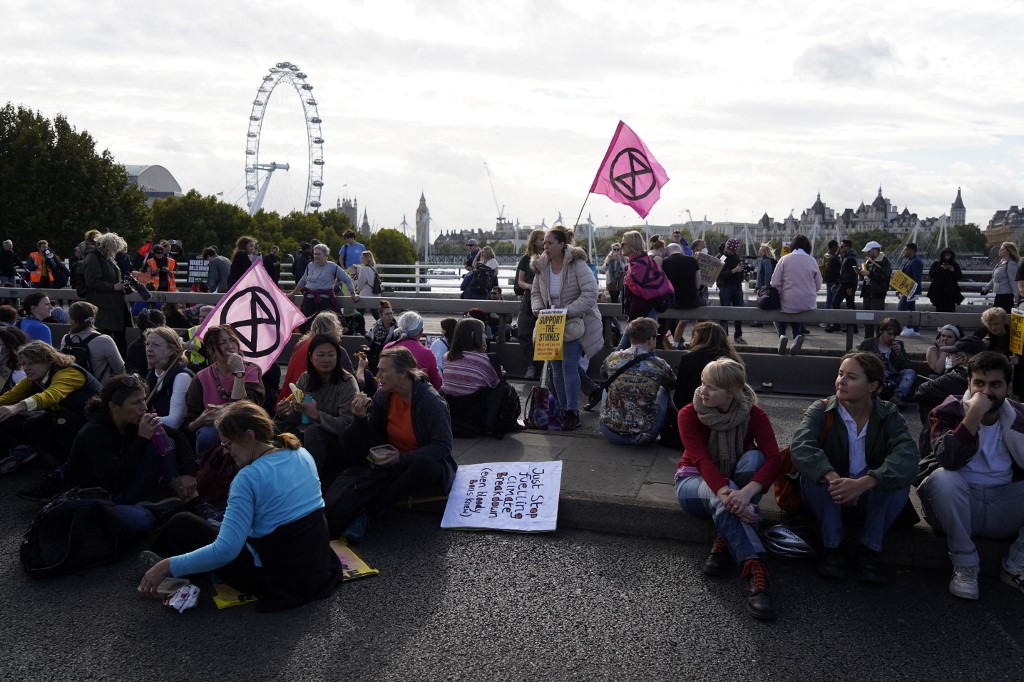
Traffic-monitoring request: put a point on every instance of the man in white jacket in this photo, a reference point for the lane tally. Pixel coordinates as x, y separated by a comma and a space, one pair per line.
798, 278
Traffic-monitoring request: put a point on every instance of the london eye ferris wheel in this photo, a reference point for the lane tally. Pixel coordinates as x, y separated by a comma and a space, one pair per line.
257, 173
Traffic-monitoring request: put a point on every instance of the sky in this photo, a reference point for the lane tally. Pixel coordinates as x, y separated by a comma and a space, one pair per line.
751, 107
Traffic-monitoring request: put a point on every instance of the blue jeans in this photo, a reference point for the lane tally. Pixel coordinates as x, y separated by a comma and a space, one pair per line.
876, 509
566, 375
781, 328
206, 439
904, 304
135, 521
661, 409
732, 295
624, 341
903, 380
696, 498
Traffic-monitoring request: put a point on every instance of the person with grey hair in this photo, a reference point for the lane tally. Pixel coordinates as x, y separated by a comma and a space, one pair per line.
407, 335
9, 264
106, 289
318, 281
684, 273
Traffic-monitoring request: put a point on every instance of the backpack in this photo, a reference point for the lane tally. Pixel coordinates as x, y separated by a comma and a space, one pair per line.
79, 350
349, 494
503, 410
76, 529
377, 286
481, 280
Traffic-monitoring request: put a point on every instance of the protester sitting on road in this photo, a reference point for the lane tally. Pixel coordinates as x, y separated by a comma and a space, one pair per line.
730, 458
408, 333
36, 307
953, 381
46, 409
971, 481
900, 371
563, 280
116, 450
798, 279
467, 368
326, 408
710, 341
135, 361
228, 379
104, 360
443, 343
11, 339
274, 541
638, 399
856, 460
167, 379
327, 323
408, 414
937, 361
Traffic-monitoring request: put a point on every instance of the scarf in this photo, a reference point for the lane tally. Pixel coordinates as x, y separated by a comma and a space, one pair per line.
727, 431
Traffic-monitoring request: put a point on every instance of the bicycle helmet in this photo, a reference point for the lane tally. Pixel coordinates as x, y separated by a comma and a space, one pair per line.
787, 542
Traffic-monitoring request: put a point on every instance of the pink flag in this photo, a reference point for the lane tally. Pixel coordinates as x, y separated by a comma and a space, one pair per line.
261, 314
629, 173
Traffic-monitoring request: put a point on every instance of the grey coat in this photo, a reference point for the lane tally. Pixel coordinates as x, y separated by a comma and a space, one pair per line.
579, 294
217, 281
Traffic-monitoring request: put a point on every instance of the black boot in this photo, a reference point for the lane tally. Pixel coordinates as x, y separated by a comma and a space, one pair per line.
759, 602
869, 567
719, 561
572, 420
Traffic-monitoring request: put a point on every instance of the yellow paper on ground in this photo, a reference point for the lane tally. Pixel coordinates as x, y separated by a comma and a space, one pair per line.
903, 283
549, 332
352, 567
1017, 332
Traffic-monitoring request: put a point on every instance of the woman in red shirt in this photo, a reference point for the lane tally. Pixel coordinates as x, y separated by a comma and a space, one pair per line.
730, 457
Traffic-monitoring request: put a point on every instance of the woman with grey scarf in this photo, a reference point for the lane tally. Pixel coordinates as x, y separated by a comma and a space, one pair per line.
730, 457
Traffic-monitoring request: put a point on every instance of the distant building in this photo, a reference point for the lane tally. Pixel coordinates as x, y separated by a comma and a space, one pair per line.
957, 211
350, 207
156, 182
1005, 226
422, 228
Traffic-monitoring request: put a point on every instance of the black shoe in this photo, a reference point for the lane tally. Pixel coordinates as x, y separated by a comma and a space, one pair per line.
719, 561
51, 485
593, 400
833, 566
531, 373
869, 567
164, 509
572, 420
759, 603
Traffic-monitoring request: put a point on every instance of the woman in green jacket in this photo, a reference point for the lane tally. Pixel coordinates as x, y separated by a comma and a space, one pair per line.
856, 460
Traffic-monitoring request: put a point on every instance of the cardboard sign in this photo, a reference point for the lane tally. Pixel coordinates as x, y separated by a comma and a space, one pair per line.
903, 284
547, 342
1017, 331
710, 267
198, 271
514, 496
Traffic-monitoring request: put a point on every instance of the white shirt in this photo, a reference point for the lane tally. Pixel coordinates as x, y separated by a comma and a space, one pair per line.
858, 458
555, 289
991, 463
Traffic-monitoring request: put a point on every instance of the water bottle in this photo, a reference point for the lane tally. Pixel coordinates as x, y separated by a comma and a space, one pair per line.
305, 417
164, 443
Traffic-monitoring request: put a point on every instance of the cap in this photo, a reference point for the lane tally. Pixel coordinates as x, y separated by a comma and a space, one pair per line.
970, 345
871, 245
470, 242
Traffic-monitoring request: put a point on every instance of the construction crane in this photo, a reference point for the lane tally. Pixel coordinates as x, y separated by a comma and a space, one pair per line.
501, 210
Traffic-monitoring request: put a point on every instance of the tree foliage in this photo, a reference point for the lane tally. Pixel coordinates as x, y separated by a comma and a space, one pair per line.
391, 246
890, 242
54, 185
970, 238
199, 221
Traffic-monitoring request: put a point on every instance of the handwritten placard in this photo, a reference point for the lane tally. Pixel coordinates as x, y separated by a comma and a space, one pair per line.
710, 267
514, 496
548, 332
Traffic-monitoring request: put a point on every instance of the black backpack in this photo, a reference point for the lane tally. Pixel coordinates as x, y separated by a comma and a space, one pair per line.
482, 280
75, 530
377, 286
79, 350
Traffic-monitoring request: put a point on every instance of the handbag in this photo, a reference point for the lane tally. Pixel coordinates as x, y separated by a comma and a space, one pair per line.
213, 482
787, 485
768, 298
543, 411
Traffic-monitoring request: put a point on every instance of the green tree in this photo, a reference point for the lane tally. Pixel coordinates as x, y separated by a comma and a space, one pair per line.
392, 247
199, 221
55, 185
970, 238
890, 242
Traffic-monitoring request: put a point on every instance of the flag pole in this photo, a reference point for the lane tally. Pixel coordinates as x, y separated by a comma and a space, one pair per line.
590, 239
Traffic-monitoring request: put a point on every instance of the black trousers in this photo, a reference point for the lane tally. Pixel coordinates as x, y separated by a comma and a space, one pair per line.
186, 532
49, 432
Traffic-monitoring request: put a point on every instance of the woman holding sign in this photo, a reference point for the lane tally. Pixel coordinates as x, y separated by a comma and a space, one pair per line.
564, 280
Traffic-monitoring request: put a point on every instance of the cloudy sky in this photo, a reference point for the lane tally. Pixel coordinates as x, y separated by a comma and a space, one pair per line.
749, 106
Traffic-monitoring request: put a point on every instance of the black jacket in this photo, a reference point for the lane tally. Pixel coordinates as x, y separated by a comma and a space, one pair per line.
848, 276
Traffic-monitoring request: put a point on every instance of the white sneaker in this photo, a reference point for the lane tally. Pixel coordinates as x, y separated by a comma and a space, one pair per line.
964, 583
798, 342
782, 345
1014, 577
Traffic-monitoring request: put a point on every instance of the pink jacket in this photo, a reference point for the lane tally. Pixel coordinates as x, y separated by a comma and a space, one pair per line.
425, 360
798, 279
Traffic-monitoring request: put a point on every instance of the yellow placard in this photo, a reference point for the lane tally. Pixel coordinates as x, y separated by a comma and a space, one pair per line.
903, 284
1017, 332
549, 331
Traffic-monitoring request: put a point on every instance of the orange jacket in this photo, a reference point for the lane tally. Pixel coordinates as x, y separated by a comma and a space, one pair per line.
36, 275
154, 273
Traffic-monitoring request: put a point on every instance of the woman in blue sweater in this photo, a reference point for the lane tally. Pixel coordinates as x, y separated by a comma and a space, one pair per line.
273, 541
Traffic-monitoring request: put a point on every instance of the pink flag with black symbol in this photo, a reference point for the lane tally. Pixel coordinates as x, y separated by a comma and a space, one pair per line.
629, 173
261, 314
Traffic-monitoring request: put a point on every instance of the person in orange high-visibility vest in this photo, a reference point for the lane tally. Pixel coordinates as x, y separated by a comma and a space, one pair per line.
40, 264
161, 268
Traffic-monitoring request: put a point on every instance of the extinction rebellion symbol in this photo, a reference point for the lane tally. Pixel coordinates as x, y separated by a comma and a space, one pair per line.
255, 317
631, 174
